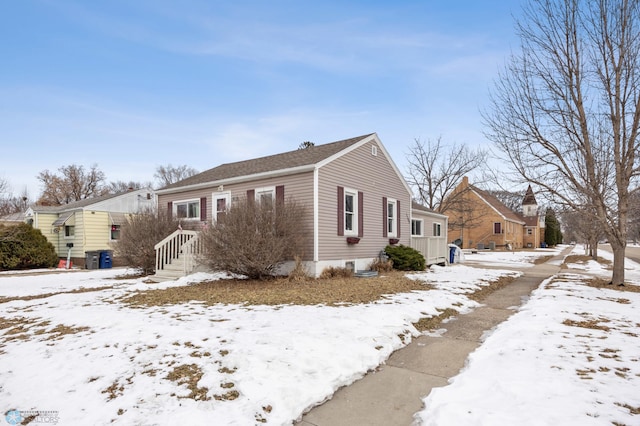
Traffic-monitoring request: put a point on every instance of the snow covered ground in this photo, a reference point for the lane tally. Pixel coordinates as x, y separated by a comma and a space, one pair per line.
87, 358
570, 356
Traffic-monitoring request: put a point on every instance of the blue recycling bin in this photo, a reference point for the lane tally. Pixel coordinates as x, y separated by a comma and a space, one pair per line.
452, 253
105, 259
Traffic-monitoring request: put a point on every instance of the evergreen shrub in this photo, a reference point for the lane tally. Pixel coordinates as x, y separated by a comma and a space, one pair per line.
405, 258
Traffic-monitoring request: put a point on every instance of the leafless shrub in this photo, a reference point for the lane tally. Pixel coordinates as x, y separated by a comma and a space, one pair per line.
254, 238
380, 265
336, 272
298, 274
139, 235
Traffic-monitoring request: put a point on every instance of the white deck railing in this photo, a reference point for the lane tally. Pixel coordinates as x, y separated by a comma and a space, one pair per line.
433, 249
182, 244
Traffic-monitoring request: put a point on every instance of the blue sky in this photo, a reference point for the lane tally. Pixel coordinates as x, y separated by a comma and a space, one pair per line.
130, 85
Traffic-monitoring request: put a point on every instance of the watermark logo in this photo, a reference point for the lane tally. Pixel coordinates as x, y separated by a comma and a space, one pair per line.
13, 417
35, 417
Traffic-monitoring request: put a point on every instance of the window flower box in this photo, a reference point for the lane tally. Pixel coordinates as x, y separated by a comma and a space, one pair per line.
393, 241
353, 240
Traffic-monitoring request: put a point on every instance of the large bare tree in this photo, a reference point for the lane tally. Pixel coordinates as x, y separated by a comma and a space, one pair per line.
73, 183
434, 170
565, 111
166, 175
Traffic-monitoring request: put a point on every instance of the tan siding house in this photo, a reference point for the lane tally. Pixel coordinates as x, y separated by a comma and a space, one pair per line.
479, 220
87, 225
357, 200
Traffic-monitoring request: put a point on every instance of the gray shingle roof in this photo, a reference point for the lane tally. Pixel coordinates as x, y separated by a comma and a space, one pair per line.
76, 204
300, 157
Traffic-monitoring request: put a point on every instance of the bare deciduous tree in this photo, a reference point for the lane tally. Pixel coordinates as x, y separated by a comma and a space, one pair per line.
579, 226
115, 187
435, 169
166, 175
255, 238
566, 109
10, 203
72, 184
4, 186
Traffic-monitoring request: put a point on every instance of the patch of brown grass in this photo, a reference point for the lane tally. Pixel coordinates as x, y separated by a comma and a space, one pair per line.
602, 283
282, 291
432, 323
581, 259
593, 324
542, 259
632, 410
22, 328
497, 284
190, 375
45, 295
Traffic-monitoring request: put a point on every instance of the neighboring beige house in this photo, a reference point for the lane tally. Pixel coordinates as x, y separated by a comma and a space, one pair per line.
483, 222
356, 198
12, 219
88, 225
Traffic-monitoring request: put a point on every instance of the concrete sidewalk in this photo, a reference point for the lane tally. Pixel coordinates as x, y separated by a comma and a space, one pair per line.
393, 393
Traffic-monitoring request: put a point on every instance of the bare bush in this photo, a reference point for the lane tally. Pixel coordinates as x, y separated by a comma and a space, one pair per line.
336, 272
139, 235
299, 273
254, 238
380, 265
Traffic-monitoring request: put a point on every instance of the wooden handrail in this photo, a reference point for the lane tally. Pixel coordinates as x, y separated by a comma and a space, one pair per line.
170, 248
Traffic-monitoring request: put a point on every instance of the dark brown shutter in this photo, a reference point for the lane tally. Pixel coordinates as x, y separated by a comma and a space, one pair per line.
398, 219
251, 196
280, 194
360, 214
203, 209
340, 211
170, 209
384, 217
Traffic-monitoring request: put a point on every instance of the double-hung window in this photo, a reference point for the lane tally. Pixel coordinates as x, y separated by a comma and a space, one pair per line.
392, 219
416, 227
437, 229
189, 209
69, 231
115, 232
266, 196
497, 228
350, 212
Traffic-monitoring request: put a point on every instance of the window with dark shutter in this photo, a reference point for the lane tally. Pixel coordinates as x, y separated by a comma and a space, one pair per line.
203, 209
251, 196
170, 209
398, 220
385, 219
340, 211
360, 214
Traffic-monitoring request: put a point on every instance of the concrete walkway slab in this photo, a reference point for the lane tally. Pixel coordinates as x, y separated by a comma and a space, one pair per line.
438, 356
476, 323
388, 396
393, 393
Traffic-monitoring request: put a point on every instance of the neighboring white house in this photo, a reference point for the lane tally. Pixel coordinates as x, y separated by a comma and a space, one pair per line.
88, 225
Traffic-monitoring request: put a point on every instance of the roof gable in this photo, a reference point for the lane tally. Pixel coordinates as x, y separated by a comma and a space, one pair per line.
310, 156
497, 205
